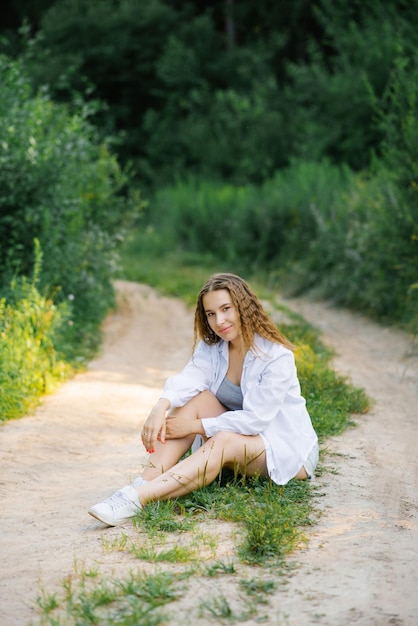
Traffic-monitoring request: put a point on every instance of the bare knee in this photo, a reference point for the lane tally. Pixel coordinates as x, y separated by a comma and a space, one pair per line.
204, 404
222, 445
243, 452
224, 438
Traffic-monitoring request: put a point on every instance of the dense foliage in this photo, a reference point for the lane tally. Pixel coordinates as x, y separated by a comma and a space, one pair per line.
58, 184
233, 90
351, 237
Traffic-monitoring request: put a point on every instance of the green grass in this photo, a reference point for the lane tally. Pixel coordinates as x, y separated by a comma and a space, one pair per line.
130, 601
267, 522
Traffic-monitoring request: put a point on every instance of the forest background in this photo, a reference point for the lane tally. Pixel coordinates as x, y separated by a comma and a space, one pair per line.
271, 138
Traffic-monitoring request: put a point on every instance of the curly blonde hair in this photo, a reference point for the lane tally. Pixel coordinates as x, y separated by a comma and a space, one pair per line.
253, 318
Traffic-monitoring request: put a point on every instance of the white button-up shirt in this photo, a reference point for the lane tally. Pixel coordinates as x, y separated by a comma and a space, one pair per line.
273, 406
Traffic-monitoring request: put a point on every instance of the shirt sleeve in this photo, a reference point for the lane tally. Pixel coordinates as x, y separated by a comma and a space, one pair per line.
262, 401
194, 378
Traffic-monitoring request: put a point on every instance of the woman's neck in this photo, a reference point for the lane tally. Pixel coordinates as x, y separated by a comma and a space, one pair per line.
237, 346
236, 362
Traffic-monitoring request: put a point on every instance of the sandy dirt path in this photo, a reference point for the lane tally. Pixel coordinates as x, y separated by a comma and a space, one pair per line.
360, 566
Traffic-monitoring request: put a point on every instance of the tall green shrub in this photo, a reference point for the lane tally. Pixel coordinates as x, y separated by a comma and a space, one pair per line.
61, 185
366, 256
351, 237
250, 227
31, 329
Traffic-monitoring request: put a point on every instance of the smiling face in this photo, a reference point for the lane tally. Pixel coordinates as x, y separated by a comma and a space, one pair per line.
222, 315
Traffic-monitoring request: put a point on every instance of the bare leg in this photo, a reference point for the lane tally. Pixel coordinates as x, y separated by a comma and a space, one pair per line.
168, 454
244, 453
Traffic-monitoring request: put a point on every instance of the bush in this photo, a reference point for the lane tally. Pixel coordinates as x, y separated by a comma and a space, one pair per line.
59, 184
249, 227
351, 237
29, 362
365, 252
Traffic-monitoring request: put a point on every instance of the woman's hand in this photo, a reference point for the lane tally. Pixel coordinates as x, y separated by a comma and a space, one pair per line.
178, 427
155, 425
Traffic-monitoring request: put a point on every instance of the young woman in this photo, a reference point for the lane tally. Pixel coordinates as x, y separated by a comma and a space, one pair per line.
238, 397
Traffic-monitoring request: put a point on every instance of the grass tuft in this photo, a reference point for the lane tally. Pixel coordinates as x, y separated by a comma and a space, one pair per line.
129, 601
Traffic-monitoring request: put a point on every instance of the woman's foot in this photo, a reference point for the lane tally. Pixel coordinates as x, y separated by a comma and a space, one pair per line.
119, 508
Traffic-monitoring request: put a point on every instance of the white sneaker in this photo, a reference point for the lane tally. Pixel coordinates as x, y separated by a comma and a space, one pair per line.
138, 482
119, 508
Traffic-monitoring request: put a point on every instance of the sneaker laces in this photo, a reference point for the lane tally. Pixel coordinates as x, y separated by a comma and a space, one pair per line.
118, 500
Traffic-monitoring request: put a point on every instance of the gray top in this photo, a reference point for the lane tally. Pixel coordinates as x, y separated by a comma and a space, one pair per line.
230, 395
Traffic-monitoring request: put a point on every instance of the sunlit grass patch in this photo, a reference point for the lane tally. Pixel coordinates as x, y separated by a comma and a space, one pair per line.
133, 600
251, 503
115, 544
159, 517
152, 549
167, 533
175, 554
